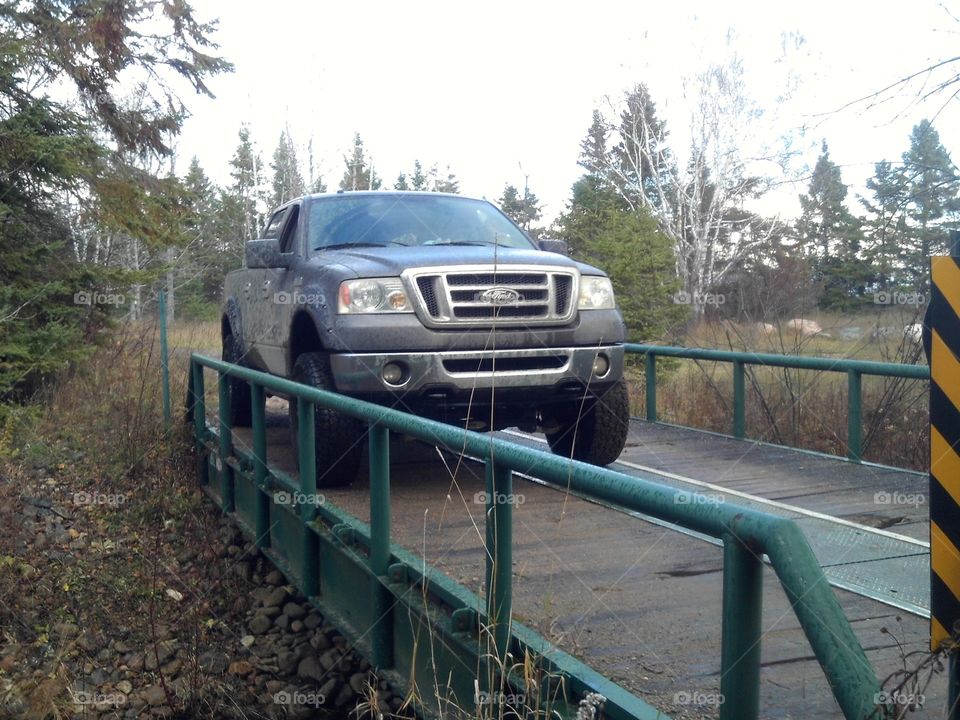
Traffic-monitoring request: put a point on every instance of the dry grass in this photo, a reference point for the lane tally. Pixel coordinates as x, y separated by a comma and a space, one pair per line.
802, 408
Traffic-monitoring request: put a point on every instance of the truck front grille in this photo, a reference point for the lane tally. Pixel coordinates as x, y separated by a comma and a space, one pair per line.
489, 296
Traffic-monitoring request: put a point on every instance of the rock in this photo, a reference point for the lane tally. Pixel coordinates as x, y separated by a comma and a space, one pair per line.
358, 681
804, 327
312, 621
121, 647
65, 629
154, 695
124, 686
331, 658
277, 597
274, 577
89, 643
294, 611
282, 622
329, 689
171, 668
240, 667
243, 570
213, 662
310, 669
247, 640
136, 661
319, 641
344, 697
287, 662
260, 594
260, 624
296, 626
155, 656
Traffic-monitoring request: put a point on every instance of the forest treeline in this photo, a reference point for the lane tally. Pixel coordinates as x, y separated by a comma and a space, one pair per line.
94, 219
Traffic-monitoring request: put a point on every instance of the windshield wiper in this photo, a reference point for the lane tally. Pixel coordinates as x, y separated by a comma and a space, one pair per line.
337, 246
455, 242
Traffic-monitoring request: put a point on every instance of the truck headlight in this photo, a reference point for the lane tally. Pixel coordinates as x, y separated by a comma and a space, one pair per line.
373, 295
596, 293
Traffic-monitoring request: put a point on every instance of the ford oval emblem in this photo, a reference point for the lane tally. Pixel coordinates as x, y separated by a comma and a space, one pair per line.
499, 296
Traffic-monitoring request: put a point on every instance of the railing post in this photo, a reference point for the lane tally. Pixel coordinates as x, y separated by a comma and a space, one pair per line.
739, 402
309, 550
164, 357
740, 649
259, 428
226, 443
854, 415
382, 633
650, 370
197, 411
499, 555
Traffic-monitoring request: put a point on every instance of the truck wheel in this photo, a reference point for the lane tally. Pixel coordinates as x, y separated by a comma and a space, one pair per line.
240, 410
338, 438
601, 432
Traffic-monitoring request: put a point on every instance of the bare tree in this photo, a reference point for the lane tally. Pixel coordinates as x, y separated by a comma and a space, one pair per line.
700, 205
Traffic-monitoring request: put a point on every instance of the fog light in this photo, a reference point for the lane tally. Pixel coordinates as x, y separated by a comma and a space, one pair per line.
601, 365
393, 373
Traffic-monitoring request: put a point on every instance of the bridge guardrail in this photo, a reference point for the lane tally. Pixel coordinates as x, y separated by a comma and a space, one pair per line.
855, 370
310, 543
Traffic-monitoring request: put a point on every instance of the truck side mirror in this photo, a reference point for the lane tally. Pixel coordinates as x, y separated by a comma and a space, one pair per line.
266, 254
554, 245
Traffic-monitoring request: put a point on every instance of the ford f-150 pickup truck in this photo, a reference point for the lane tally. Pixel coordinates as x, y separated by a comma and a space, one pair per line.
434, 304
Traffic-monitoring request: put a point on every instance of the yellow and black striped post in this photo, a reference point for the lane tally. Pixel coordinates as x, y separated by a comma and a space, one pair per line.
943, 348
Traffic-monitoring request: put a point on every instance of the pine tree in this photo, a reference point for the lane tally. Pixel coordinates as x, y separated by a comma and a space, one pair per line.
886, 229
418, 180
246, 168
287, 180
932, 183
594, 156
830, 236
524, 209
448, 184
358, 174
642, 157
600, 230
210, 253
85, 208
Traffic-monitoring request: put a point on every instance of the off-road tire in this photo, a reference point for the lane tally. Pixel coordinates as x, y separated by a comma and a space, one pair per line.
240, 410
601, 433
338, 438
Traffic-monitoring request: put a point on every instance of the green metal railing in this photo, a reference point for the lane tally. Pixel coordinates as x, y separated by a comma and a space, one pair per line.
855, 370
310, 547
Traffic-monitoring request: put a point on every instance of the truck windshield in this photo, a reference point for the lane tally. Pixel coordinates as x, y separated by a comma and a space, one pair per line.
408, 219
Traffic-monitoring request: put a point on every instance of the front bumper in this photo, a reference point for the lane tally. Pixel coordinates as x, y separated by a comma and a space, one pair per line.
460, 373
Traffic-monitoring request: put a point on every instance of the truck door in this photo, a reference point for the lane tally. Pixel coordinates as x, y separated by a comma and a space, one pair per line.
280, 295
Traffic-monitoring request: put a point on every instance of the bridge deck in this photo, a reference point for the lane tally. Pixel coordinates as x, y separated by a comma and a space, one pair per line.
641, 602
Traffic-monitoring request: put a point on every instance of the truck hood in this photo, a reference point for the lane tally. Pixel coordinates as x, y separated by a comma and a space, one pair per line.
391, 261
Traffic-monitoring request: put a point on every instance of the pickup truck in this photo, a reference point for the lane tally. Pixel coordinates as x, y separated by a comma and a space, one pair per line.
434, 304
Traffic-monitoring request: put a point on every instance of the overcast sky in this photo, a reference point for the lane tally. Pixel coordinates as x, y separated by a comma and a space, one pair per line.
499, 90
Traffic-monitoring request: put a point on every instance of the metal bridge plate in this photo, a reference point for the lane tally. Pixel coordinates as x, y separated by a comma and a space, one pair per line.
878, 564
